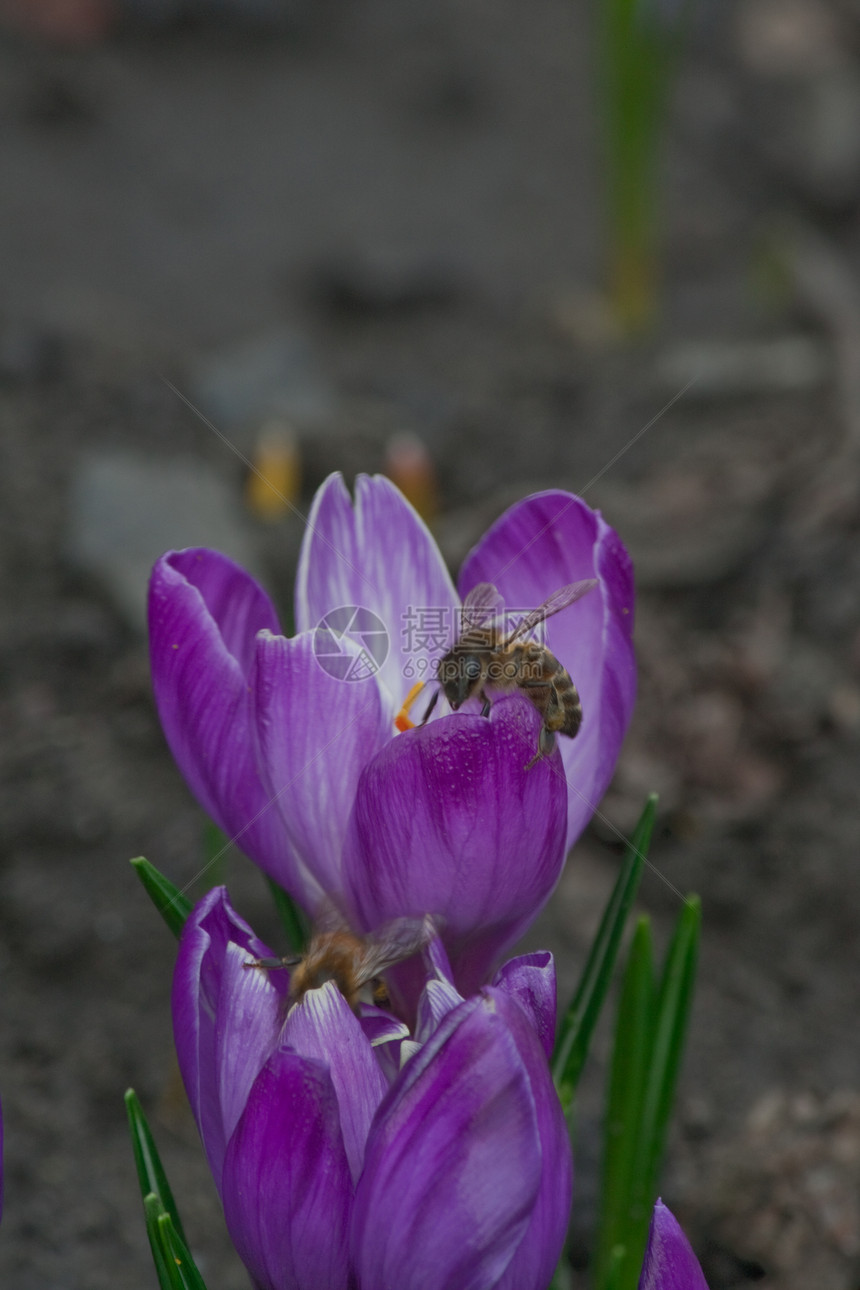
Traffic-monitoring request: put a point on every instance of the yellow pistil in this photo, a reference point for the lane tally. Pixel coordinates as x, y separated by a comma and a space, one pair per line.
403, 720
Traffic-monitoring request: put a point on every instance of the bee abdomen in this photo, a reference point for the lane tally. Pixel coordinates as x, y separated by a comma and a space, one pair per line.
568, 697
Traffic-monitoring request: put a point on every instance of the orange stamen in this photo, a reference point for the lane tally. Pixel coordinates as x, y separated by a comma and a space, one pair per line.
409, 465
403, 721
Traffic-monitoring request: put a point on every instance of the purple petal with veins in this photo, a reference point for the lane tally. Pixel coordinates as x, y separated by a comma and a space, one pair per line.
539, 545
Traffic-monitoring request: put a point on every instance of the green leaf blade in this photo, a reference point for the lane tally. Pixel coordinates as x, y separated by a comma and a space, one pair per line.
174, 1265
580, 1020
150, 1171
216, 847
675, 998
170, 902
631, 1059
153, 1210
292, 919
178, 1257
646, 1062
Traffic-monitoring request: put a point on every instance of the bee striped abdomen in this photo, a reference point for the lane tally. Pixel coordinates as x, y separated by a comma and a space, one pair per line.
559, 703
568, 696
483, 658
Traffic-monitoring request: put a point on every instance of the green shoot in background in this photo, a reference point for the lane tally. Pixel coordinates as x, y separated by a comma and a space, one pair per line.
640, 42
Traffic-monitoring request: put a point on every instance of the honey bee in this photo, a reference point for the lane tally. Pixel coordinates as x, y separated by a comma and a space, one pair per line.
355, 963
483, 656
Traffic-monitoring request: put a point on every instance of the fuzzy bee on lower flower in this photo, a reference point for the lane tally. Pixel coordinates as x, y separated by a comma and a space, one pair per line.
354, 963
485, 655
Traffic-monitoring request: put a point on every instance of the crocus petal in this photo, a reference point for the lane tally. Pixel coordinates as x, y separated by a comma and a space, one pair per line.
287, 1188
670, 1263
438, 998
203, 614
538, 1252
436, 961
386, 1034
409, 981
226, 1019
447, 821
539, 545
247, 1019
381, 1026
530, 979
378, 554
314, 734
453, 1162
324, 1026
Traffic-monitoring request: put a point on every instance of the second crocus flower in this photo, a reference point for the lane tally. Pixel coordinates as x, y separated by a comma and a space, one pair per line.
337, 1166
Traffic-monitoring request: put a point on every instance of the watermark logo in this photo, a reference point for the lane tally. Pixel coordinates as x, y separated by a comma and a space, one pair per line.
428, 633
351, 643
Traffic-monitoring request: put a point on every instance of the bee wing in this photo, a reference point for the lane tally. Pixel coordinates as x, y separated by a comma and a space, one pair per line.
482, 604
392, 943
328, 918
552, 605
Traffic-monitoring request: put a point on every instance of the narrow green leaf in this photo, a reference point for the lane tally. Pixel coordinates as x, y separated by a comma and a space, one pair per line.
561, 1277
675, 999
293, 920
616, 1267
150, 1171
580, 1020
631, 1059
165, 1270
173, 906
174, 1265
178, 1257
640, 1100
216, 846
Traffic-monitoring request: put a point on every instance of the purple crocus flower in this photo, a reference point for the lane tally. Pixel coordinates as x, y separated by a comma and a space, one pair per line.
669, 1263
291, 744
341, 1167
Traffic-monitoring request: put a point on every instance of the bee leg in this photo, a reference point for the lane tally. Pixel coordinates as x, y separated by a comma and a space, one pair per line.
270, 965
381, 997
430, 706
485, 710
546, 745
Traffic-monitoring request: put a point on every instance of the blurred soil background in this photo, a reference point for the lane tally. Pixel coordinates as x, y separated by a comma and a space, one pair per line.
332, 224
